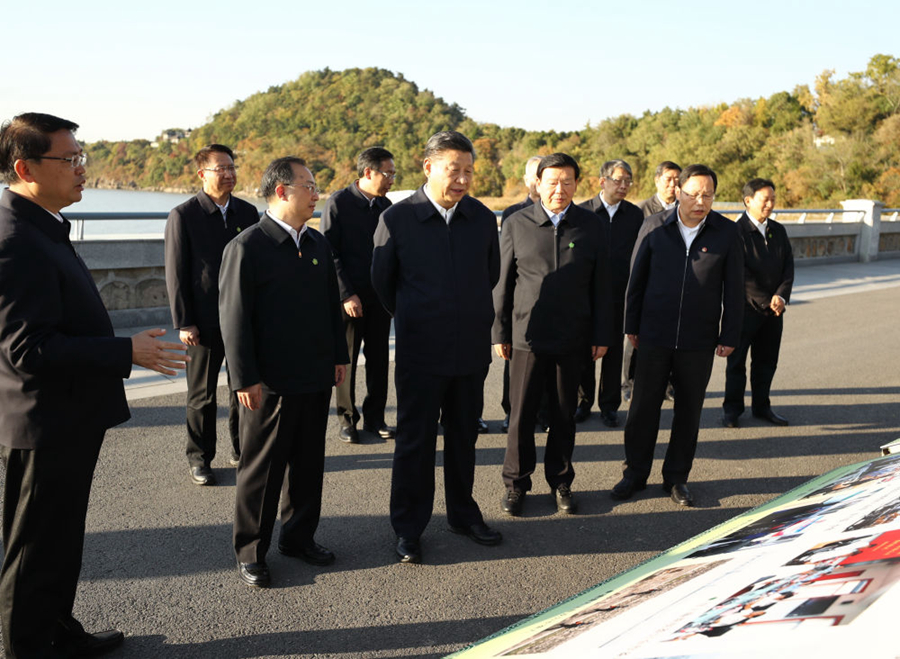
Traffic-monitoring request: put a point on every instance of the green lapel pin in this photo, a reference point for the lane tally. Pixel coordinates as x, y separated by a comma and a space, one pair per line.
571, 245
315, 261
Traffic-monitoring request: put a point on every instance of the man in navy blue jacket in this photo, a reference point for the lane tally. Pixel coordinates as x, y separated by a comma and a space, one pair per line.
684, 304
435, 262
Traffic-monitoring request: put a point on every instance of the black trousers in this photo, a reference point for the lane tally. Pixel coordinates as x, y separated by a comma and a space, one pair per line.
373, 331
202, 374
761, 337
690, 371
530, 377
609, 395
282, 454
46, 494
422, 398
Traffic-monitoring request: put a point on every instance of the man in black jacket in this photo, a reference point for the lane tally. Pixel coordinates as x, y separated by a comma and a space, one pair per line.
684, 304
196, 234
552, 309
530, 180
61, 371
348, 221
435, 262
621, 221
768, 279
666, 180
284, 341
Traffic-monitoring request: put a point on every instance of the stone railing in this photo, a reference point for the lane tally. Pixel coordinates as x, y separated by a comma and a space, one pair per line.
130, 272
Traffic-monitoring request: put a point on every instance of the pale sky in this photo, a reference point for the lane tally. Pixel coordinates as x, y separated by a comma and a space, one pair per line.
127, 70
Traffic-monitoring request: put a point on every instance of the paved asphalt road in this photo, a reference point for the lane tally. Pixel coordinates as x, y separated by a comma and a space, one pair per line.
159, 564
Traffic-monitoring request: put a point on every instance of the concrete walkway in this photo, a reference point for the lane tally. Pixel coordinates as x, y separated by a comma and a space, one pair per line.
159, 564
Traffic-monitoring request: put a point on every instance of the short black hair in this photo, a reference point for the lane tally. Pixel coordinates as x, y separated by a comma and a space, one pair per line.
372, 158
559, 160
665, 166
204, 155
448, 140
279, 172
609, 168
697, 170
754, 185
27, 137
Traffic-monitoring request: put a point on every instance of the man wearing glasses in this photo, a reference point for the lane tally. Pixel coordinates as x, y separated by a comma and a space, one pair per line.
61, 371
196, 233
284, 341
349, 220
685, 303
621, 221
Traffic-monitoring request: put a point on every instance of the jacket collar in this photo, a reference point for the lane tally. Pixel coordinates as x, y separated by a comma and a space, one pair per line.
207, 204
424, 209
41, 218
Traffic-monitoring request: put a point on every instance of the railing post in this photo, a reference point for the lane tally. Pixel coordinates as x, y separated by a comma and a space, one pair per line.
870, 229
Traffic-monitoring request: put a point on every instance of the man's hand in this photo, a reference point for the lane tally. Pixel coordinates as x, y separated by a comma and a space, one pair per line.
633, 339
189, 336
503, 350
724, 351
250, 397
340, 372
353, 307
777, 305
597, 352
156, 355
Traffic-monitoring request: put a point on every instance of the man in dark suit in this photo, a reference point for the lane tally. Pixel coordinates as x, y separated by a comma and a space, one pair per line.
348, 221
61, 371
552, 309
280, 311
196, 234
621, 221
435, 262
530, 181
666, 179
684, 304
768, 279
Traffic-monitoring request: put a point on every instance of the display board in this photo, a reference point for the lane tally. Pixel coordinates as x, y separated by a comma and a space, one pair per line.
815, 570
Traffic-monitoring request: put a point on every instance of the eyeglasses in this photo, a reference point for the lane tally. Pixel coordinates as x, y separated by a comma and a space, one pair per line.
75, 161
627, 182
310, 187
706, 198
228, 169
390, 175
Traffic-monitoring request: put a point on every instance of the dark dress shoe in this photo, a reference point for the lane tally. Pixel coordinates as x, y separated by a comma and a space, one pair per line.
565, 502
255, 574
203, 476
680, 494
670, 392
234, 460
610, 419
349, 435
312, 553
626, 487
72, 641
626, 395
409, 550
511, 503
729, 420
482, 427
480, 533
384, 431
771, 417
582, 412
505, 425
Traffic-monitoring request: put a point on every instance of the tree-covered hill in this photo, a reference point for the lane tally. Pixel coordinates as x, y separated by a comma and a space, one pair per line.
839, 140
